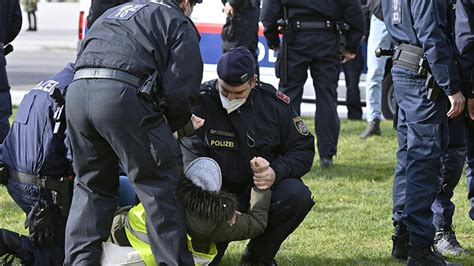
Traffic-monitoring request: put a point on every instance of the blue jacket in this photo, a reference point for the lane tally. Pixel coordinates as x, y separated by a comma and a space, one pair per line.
30, 147
10, 20
426, 24
464, 30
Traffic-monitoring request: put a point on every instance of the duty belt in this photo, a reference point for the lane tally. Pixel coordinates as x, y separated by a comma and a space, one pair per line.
107, 73
23, 178
412, 58
312, 25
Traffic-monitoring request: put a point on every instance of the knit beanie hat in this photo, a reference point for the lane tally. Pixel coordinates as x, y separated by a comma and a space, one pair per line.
205, 173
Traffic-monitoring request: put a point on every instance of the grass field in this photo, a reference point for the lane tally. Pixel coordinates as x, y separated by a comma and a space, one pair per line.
350, 223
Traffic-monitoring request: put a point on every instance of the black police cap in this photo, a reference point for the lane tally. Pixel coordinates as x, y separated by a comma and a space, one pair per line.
236, 67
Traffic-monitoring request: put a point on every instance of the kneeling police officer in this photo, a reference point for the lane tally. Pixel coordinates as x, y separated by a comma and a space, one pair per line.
246, 119
38, 173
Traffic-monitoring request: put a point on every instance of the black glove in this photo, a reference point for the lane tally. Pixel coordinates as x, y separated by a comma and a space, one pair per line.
40, 223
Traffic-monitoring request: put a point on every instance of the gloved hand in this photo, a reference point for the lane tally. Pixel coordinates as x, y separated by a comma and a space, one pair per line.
40, 223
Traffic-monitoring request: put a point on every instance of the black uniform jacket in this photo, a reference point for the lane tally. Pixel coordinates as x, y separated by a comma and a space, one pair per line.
10, 20
142, 37
266, 125
347, 11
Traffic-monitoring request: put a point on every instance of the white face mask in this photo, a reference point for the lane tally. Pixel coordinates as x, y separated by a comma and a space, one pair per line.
231, 105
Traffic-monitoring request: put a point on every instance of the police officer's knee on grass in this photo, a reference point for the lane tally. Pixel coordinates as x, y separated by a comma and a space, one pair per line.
246, 119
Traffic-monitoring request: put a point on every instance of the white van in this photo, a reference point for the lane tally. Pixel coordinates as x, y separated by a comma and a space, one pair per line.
209, 19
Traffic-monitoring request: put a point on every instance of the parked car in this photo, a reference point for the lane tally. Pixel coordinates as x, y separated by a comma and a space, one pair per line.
209, 19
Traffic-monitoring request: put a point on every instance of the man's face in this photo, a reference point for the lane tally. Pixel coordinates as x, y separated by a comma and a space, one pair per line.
236, 92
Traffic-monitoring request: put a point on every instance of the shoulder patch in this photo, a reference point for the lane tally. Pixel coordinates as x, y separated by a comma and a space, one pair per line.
126, 11
300, 126
283, 97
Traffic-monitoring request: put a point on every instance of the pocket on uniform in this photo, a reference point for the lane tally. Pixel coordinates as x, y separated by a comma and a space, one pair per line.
163, 146
24, 109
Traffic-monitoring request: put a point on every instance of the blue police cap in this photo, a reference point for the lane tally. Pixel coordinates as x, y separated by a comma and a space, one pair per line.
236, 66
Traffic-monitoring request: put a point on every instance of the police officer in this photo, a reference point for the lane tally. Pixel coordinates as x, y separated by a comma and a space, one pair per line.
419, 30
31, 151
241, 26
311, 40
464, 42
10, 25
246, 119
453, 160
137, 73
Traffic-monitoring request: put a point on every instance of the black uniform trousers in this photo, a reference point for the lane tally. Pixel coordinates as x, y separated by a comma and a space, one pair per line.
5, 98
352, 71
317, 51
291, 201
107, 122
242, 30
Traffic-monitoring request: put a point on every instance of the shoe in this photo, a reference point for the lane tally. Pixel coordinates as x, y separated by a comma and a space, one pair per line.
372, 129
447, 244
29, 29
425, 257
9, 242
249, 259
325, 163
400, 248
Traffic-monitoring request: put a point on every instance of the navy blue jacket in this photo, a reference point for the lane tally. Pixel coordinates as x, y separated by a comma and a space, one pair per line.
265, 126
348, 11
30, 147
464, 29
142, 37
426, 24
10, 20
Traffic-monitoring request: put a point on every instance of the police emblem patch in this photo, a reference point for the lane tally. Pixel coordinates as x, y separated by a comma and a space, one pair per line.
300, 126
285, 98
126, 11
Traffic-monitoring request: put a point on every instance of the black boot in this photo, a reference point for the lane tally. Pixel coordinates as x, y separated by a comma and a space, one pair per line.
447, 244
249, 259
325, 163
400, 247
425, 257
9, 242
373, 128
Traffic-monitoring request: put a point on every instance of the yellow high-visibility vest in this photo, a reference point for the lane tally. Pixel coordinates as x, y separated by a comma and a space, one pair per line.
135, 230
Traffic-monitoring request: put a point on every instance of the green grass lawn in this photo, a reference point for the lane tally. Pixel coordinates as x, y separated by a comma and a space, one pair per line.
350, 223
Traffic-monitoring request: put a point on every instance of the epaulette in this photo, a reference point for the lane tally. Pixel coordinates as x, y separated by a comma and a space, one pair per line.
269, 89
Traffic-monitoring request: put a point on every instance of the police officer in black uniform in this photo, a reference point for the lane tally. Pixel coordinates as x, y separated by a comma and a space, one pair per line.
246, 119
10, 25
241, 26
137, 73
33, 152
312, 40
465, 43
425, 77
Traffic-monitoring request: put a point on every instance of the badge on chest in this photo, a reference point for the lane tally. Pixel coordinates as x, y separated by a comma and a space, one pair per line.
221, 140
